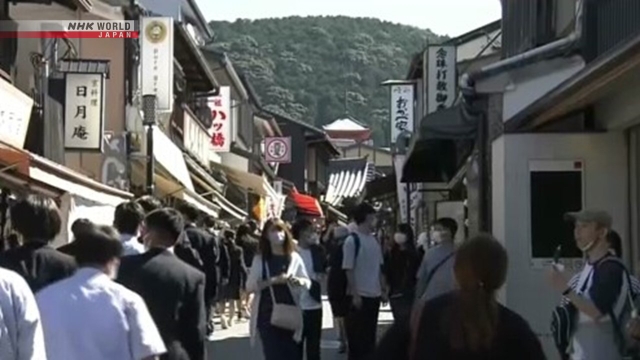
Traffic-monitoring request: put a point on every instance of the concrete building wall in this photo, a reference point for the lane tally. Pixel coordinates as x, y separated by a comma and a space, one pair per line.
527, 290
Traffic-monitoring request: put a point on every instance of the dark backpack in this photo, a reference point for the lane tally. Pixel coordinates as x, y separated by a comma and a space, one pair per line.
564, 317
337, 279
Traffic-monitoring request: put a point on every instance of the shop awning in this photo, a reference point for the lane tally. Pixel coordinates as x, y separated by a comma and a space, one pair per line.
382, 186
228, 207
169, 156
306, 205
256, 184
443, 142
63, 178
172, 188
347, 178
23, 168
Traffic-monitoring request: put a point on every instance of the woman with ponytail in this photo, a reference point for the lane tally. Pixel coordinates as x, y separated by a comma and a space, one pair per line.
468, 323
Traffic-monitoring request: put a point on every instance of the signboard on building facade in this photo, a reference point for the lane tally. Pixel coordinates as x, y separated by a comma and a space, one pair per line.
220, 131
196, 139
401, 109
84, 111
441, 77
156, 60
15, 114
277, 150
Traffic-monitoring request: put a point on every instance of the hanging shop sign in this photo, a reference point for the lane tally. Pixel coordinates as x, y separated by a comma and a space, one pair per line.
84, 111
277, 150
441, 77
15, 113
157, 60
401, 109
406, 192
220, 131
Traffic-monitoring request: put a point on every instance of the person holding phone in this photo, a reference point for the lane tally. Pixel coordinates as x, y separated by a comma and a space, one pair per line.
599, 289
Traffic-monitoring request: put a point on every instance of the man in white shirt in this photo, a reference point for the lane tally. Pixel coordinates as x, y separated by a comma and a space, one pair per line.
20, 329
313, 258
127, 220
89, 316
362, 260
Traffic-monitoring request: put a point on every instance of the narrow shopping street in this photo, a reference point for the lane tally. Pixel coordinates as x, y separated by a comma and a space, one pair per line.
234, 343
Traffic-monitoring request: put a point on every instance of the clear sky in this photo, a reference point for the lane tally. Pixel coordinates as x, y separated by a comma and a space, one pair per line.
443, 17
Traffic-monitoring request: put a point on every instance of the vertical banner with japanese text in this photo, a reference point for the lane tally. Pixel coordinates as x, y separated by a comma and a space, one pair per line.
84, 111
402, 113
441, 77
401, 109
220, 131
156, 60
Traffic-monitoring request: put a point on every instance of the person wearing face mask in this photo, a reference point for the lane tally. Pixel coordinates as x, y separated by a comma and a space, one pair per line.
77, 312
435, 275
173, 289
601, 290
400, 267
314, 259
277, 276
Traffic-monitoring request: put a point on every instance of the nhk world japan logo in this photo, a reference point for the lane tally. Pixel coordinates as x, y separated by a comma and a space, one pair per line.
69, 29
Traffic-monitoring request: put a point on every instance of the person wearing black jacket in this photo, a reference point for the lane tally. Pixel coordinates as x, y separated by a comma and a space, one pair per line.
205, 245
400, 267
173, 290
38, 220
249, 245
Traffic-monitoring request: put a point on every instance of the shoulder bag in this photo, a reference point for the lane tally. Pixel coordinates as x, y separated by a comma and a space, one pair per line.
283, 316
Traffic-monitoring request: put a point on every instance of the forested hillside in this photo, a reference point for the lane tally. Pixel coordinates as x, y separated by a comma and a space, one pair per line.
305, 67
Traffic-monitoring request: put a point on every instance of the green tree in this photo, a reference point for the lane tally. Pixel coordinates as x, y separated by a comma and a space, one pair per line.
304, 67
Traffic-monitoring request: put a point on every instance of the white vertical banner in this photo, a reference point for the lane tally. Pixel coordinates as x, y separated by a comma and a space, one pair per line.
156, 60
84, 111
401, 109
441, 77
220, 106
401, 189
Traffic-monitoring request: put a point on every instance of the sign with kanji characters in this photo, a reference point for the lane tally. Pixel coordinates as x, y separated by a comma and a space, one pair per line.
220, 130
84, 111
15, 114
401, 109
441, 77
277, 150
156, 60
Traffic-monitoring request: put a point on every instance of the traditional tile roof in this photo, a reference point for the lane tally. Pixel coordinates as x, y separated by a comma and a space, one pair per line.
347, 178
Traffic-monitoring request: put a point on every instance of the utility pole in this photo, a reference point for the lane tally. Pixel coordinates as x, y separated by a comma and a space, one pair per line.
149, 109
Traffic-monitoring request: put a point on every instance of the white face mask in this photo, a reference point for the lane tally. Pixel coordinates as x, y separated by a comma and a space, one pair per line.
436, 236
400, 238
276, 237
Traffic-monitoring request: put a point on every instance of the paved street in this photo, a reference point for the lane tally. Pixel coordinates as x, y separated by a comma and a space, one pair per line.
234, 343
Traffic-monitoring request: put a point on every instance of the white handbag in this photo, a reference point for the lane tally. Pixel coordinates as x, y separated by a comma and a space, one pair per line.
284, 316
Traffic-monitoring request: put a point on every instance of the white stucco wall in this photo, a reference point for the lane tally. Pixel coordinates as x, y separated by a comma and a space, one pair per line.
605, 162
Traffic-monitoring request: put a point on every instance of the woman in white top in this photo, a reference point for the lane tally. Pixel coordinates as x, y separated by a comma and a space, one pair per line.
314, 258
277, 276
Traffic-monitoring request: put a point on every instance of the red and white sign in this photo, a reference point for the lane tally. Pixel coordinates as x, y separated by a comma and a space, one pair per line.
71, 29
221, 120
277, 150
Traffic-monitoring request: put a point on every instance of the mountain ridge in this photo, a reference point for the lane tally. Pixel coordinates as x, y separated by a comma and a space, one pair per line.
309, 68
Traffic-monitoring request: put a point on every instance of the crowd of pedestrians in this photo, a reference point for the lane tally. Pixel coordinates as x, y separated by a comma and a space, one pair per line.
150, 285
